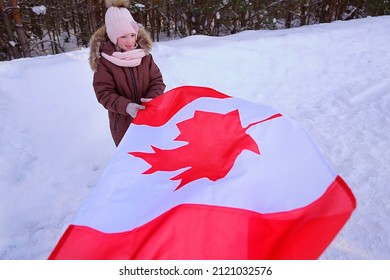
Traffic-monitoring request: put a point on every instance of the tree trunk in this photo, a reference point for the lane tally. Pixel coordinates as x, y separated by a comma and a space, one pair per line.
92, 16
303, 20
19, 28
14, 50
331, 11
288, 15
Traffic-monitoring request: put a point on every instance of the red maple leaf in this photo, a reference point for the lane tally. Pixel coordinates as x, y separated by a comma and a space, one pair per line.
214, 143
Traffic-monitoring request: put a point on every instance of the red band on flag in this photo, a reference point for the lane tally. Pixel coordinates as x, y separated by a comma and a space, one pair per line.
211, 232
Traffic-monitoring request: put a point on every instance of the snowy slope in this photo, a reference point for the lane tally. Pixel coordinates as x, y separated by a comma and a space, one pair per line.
334, 79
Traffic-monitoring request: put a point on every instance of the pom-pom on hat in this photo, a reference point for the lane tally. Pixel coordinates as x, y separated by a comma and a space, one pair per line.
118, 20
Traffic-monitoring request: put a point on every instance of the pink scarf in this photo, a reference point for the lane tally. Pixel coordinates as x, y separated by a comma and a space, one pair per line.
126, 59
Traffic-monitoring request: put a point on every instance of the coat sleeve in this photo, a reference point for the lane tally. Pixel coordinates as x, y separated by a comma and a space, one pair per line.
106, 92
156, 83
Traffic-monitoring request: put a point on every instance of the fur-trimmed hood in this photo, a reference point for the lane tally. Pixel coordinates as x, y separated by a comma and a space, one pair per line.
99, 41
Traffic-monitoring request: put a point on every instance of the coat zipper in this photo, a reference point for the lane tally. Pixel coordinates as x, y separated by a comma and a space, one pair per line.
137, 99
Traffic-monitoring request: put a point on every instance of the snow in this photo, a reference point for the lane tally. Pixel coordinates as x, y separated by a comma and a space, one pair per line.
331, 78
39, 10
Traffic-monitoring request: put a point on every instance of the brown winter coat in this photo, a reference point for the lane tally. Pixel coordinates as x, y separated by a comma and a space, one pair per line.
116, 87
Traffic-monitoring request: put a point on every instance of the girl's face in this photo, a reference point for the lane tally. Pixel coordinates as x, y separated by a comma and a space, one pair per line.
127, 42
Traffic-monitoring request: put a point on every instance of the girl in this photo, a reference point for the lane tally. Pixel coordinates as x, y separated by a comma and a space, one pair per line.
125, 74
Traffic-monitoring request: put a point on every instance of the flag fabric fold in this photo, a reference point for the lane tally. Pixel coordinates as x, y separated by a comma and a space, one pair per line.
203, 175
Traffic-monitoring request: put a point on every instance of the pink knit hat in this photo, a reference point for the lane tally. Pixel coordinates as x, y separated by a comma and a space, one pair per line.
119, 22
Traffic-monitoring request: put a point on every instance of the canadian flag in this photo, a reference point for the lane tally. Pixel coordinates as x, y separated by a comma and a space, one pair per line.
203, 175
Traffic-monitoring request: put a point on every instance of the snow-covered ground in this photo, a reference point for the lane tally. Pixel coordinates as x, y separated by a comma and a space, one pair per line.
334, 79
